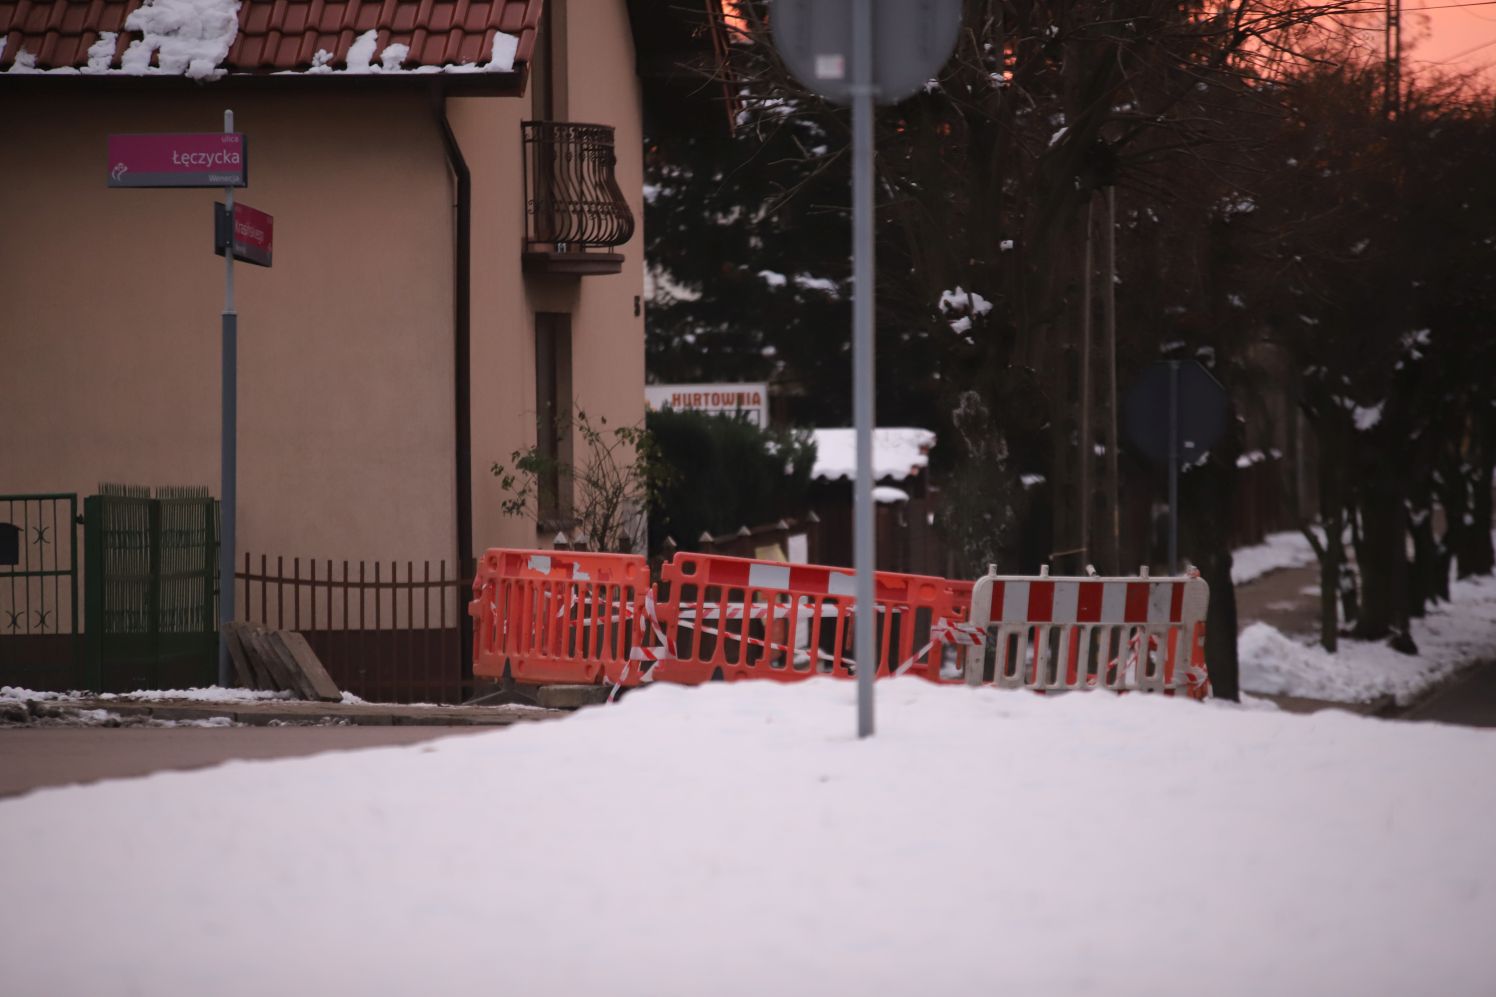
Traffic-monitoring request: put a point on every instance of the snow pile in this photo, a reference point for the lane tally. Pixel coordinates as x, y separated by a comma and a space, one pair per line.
101, 52
745, 843
897, 453
1289, 549
1452, 636
188, 37
209, 694
17, 694
965, 305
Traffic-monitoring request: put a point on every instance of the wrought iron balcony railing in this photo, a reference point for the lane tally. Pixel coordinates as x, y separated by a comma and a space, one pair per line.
572, 200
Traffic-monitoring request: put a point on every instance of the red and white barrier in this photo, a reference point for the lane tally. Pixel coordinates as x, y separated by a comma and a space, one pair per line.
736, 618
573, 617
1145, 634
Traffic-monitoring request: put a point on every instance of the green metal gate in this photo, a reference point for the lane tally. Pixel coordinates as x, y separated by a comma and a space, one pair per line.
150, 584
39, 643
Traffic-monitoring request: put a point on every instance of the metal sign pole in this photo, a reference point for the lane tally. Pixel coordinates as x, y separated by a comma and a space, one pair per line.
862, 92
229, 427
1173, 467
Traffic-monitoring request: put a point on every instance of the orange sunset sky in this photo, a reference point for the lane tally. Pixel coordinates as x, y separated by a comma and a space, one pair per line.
1457, 37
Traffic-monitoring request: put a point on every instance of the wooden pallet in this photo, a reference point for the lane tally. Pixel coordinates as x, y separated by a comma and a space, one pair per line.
278, 660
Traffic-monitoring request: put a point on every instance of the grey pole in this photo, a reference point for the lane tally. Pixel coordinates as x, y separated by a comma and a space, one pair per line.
862, 90
229, 427
1173, 467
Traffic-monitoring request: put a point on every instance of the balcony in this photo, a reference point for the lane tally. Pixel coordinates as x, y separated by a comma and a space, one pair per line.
574, 210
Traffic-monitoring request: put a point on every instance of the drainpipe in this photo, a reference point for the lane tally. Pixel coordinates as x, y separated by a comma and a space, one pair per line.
461, 350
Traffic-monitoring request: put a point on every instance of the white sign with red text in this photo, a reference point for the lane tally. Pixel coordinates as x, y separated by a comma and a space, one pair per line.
748, 401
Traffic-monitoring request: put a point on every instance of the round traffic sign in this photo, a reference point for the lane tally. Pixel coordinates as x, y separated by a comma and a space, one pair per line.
912, 39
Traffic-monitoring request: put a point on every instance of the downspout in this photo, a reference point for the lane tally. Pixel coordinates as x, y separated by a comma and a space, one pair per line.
462, 360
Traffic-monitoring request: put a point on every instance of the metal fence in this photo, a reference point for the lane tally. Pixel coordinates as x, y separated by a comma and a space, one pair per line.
151, 588
40, 647
381, 636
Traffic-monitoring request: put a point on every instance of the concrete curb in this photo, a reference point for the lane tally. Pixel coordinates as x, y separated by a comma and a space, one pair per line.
280, 712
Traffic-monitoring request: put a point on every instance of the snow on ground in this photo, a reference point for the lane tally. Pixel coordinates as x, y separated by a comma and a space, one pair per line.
736, 839
1453, 635
210, 694
1288, 549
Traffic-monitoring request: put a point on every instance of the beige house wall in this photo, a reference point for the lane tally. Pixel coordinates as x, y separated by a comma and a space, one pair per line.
110, 303
607, 337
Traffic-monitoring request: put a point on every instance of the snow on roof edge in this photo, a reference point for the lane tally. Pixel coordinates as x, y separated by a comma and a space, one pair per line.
898, 453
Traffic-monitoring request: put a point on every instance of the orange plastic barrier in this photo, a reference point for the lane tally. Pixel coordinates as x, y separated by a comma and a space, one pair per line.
1145, 634
555, 616
733, 618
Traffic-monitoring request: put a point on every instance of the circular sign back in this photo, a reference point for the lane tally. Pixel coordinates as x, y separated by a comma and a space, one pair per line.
912, 39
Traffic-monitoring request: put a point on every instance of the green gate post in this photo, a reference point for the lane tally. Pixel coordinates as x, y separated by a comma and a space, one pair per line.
153, 590
93, 593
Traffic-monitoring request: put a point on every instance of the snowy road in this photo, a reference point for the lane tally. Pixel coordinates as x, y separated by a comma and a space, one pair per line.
738, 840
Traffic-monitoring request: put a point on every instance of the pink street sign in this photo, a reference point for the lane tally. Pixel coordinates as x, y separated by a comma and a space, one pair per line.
206, 159
253, 235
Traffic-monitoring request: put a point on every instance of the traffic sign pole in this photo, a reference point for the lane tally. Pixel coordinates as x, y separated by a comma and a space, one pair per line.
864, 554
229, 441
910, 42
1173, 467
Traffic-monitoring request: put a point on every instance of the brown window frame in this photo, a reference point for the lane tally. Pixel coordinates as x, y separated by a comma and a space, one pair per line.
553, 413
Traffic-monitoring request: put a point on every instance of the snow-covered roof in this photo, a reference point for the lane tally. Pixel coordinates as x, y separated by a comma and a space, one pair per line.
897, 453
210, 39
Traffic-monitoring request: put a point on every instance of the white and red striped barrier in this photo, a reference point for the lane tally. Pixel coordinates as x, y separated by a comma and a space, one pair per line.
1145, 634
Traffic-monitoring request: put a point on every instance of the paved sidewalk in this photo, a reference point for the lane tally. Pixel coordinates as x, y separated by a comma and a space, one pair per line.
1286, 599
38, 757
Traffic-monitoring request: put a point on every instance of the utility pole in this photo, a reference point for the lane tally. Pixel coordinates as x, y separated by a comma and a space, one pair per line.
1392, 45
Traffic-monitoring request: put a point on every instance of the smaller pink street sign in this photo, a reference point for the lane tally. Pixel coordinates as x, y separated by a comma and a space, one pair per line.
205, 159
253, 233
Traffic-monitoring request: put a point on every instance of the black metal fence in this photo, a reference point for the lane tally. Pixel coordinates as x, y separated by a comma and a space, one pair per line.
381, 634
40, 646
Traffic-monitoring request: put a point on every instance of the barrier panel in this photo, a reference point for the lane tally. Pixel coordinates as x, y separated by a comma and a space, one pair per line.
556, 616
734, 618
1145, 634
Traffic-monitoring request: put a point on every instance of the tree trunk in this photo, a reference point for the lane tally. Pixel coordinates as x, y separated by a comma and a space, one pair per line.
1425, 576
1474, 554
1384, 564
1329, 583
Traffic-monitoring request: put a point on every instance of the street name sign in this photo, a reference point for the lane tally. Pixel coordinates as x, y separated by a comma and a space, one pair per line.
252, 234
197, 159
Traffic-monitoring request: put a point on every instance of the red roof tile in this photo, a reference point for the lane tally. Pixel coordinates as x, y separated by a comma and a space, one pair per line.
278, 35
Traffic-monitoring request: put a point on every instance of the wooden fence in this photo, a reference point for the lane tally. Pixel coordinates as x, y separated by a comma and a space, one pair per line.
382, 636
